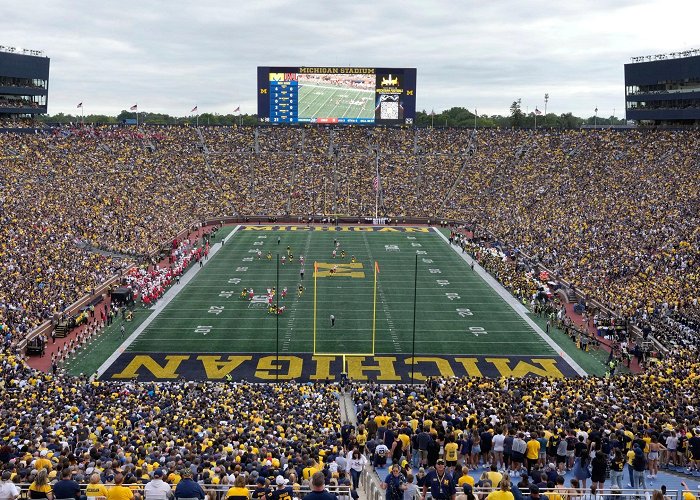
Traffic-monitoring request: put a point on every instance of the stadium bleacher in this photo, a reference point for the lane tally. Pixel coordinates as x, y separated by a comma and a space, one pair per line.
614, 213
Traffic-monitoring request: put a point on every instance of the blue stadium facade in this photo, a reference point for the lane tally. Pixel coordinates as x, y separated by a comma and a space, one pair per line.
24, 82
664, 91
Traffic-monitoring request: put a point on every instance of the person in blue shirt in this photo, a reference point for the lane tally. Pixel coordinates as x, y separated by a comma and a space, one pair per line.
394, 484
187, 487
440, 482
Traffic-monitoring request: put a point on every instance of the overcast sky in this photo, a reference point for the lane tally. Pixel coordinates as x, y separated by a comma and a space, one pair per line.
169, 56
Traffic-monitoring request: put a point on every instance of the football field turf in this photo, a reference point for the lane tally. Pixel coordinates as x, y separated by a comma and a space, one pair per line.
316, 101
462, 325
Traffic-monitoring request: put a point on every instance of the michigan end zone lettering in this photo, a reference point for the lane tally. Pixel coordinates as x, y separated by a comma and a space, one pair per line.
308, 367
341, 229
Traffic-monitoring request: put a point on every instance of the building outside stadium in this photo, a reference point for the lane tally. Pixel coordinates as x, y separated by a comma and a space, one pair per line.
664, 89
24, 82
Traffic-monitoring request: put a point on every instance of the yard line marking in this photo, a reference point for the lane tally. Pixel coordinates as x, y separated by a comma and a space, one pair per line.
162, 303
513, 303
382, 297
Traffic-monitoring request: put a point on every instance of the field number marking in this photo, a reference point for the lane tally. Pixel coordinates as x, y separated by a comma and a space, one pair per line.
203, 329
464, 312
477, 330
216, 310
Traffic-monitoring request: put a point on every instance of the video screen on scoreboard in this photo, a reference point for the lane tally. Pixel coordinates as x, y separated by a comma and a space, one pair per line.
383, 96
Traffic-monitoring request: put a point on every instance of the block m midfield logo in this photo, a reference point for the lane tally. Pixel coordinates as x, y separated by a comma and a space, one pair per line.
340, 270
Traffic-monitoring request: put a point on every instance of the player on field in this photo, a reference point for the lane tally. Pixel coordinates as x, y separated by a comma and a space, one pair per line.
300, 290
259, 253
334, 253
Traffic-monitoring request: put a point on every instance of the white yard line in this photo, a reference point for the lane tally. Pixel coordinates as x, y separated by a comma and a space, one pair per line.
513, 303
161, 304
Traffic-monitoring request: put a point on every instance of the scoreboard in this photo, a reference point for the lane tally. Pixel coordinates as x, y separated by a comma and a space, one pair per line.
345, 95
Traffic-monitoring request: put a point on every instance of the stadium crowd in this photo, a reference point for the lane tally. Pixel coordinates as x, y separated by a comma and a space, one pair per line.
217, 431
610, 212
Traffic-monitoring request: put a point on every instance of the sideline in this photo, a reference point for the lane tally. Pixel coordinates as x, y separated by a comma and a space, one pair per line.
513, 303
162, 304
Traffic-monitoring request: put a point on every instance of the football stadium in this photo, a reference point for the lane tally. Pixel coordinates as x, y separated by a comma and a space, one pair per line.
338, 303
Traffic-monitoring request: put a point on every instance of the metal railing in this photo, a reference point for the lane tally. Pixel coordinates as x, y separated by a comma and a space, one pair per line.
213, 491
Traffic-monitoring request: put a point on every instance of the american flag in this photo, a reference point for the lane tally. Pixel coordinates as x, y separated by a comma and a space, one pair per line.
538, 112
375, 183
80, 105
237, 109
134, 107
193, 109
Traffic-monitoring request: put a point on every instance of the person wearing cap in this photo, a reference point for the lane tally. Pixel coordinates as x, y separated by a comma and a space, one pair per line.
440, 482
467, 493
239, 491
187, 487
284, 491
261, 490
66, 487
157, 489
8, 490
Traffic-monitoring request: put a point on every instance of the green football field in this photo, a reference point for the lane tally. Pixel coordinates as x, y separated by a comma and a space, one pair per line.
316, 101
208, 331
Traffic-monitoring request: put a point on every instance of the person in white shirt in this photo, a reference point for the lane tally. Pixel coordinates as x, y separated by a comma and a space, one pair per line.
355, 464
157, 489
8, 489
497, 443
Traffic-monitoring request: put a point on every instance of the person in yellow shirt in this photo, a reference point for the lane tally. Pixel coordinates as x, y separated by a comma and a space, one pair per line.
42, 462
238, 491
503, 492
493, 475
451, 454
533, 453
95, 489
118, 491
41, 488
465, 478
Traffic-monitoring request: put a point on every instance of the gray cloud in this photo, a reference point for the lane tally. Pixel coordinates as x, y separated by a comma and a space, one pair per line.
170, 55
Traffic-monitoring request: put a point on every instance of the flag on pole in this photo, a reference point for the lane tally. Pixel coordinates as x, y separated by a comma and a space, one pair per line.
135, 107
193, 110
80, 105
432, 113
238, 109
375, 183
596, 109
538, 112
376, 267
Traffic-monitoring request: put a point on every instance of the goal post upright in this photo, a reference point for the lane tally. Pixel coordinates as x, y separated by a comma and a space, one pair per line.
315, 277
374, 307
